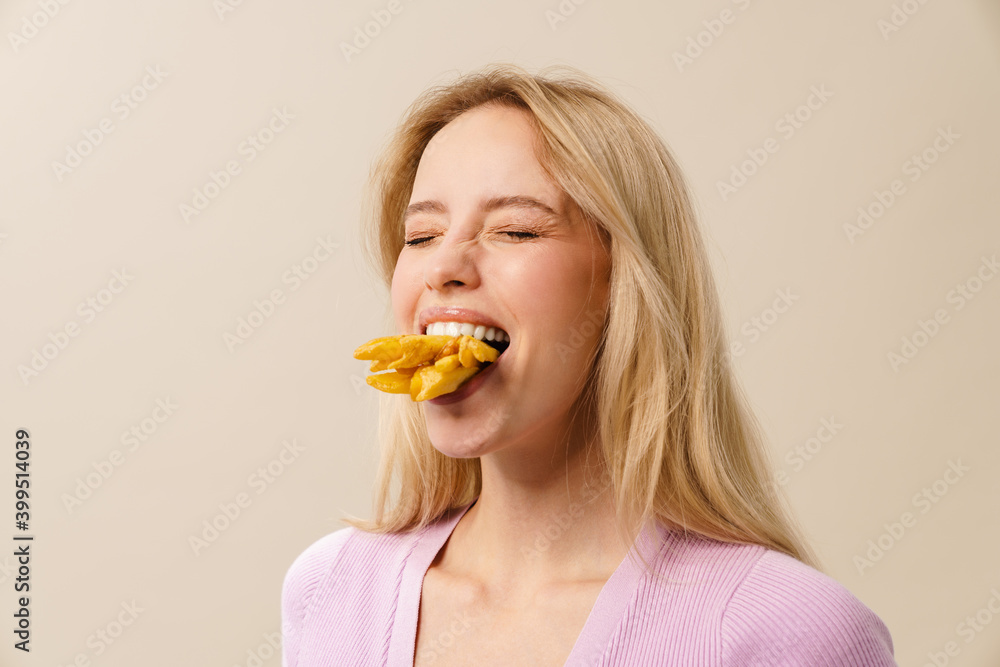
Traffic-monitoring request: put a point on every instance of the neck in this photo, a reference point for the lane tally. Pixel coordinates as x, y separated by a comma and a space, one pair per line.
543, 516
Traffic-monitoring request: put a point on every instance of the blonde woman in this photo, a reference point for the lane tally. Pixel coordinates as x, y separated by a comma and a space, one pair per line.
600, 494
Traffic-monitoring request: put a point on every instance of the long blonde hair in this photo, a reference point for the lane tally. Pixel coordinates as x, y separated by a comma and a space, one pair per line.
678, 437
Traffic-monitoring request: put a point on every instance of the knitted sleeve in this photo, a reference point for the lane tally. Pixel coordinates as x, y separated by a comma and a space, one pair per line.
788, 614
305, 576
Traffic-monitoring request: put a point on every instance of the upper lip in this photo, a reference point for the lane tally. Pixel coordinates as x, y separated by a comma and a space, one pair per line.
455, 314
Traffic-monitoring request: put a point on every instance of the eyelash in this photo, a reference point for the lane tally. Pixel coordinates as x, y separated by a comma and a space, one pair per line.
516, 234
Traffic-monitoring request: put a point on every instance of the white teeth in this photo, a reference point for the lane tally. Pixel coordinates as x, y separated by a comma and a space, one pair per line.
466, 329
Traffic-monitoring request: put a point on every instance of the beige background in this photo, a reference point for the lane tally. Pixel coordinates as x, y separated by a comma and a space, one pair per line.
161, 336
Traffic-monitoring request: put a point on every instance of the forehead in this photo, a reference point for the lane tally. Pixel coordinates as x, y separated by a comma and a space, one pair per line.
509, 202
507, 124
487, 150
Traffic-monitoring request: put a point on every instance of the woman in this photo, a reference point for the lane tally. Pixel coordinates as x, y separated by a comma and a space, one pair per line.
599, 495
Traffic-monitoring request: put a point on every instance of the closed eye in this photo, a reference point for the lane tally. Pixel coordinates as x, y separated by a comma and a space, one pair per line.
516, 234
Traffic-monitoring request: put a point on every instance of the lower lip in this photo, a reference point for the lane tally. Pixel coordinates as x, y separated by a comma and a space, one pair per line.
468, 388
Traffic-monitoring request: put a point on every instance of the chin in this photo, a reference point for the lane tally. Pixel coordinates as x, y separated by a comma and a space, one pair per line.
469, 435
463, 443
460, 450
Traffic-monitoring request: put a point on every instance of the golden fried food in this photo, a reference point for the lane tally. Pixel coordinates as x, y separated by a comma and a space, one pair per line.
424, 366
392, 383
431, 382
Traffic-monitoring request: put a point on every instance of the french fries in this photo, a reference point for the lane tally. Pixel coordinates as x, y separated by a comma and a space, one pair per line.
424, 366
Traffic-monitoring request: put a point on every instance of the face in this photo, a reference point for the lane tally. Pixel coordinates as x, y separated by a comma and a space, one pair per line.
539, 272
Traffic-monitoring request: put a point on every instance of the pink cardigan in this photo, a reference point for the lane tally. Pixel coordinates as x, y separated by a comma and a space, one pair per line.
351, 599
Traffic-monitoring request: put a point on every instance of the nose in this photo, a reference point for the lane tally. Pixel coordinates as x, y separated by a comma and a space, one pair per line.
452, 264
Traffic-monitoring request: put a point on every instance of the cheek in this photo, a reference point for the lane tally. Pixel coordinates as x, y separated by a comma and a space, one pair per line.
563, 316
402, 293
567, 291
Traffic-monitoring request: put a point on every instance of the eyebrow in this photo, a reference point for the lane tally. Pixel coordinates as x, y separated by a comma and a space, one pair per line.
485, 206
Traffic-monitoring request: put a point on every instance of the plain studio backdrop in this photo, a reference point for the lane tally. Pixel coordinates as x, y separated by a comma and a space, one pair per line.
182, 287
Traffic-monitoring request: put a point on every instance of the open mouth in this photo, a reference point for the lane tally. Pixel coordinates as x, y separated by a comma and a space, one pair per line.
499, 345
434, 363
496, 338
